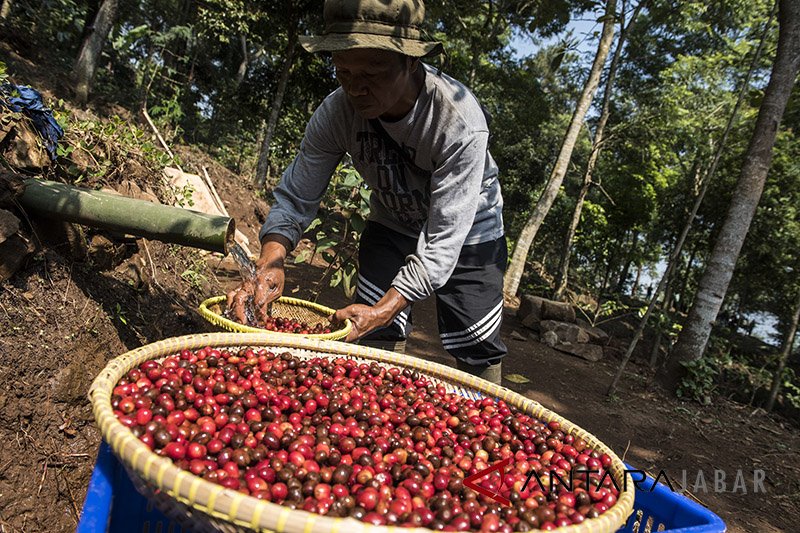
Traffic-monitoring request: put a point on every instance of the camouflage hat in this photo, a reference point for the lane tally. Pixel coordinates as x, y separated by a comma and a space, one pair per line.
393, 25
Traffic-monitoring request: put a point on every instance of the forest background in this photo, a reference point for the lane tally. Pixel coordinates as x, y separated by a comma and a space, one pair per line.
621, 128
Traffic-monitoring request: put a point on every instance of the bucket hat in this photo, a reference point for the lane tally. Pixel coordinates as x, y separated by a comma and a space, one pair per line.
393, 25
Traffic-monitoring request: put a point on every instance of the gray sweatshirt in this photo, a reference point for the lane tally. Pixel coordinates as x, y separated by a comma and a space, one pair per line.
451, 199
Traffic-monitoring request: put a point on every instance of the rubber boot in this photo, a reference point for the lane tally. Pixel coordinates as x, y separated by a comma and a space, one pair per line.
492, 373
392, 346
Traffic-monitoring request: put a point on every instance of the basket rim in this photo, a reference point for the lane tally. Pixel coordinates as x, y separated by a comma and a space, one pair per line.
261, 515
219, 320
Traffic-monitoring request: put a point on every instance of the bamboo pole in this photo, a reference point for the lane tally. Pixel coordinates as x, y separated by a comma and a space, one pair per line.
126, 215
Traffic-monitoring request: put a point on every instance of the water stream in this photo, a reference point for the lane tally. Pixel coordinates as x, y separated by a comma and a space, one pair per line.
247, 267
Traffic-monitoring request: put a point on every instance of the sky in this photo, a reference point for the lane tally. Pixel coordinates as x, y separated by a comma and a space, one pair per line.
582, 30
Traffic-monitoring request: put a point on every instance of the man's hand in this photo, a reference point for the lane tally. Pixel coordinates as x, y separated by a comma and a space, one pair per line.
366, 319
268, 283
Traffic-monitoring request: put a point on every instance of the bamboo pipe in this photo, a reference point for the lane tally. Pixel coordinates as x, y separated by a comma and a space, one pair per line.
126, 215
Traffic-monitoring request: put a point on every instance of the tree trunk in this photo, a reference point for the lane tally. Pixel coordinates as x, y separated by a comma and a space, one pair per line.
651, 306
263, 157
685, 279
672, 263
626, 267
89, 55
88, 22
666, 303
5, 9
175, 54
526, 237
242, 71
612, 262
674, 257
713, 285
490, 29
786, 350
635, 286
665, 308
563, 271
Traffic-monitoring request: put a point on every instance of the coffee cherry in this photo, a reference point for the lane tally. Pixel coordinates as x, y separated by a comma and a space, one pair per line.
343, 438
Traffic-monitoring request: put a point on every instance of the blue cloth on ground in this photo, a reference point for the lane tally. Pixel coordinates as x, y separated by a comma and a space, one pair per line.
29, 102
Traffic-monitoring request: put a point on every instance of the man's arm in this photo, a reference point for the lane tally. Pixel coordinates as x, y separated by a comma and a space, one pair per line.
303, 184
455, 191
366, 318
455, 188
297, 199
274, 249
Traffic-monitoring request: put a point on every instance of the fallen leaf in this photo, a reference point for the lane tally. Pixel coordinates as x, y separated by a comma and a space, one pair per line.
517, 378
69, 431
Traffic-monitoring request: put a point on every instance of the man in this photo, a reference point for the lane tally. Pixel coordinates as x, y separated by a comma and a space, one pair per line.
419, 139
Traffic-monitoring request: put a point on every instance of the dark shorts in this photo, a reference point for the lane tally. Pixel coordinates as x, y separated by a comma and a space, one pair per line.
469, 306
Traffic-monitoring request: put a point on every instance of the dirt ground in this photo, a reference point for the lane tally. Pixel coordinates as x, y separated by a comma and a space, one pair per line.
62, 318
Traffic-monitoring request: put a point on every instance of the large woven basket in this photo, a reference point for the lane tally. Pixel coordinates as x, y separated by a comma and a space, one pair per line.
204, 506
302, 310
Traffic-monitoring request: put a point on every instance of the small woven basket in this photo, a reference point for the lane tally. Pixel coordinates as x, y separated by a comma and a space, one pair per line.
200, 505
301, 310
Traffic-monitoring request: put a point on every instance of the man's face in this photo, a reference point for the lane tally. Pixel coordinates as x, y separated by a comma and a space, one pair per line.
376, 81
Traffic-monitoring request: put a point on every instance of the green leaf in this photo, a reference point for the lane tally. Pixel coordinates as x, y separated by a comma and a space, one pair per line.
302, 257
349, 276
351, 180
314, 223
325, 244
64, 150
517, 378
357, 223
126, 40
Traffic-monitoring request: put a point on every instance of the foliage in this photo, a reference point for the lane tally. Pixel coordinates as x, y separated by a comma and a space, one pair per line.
183, 195
207, 72
119, 314
193, 274
769, 257
101, 151
54, 23
791, 388
343, 216
667, 323
608, 309
700, 380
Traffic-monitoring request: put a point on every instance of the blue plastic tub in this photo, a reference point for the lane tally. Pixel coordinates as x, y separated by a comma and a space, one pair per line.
656, 506
112, 504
